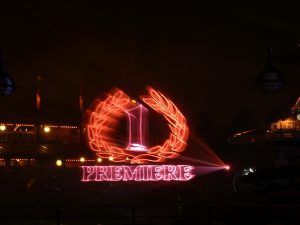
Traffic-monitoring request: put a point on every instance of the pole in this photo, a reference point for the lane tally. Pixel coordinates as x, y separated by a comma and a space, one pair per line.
57, 217
38, 107
80, 103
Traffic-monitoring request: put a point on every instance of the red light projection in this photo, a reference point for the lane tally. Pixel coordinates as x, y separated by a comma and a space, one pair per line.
137, 128
138, 173
106, 114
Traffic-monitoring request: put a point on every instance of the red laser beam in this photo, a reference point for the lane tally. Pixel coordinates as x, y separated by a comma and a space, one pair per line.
207, 152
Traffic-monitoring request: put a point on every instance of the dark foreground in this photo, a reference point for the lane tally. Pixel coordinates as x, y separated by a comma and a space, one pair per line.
188, 214
51, 195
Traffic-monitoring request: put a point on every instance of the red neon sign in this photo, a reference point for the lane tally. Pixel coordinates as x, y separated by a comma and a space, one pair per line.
137, 173
104, 118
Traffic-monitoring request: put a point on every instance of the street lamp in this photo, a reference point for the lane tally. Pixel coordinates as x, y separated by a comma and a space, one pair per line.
270, 78
47, 129
7, 85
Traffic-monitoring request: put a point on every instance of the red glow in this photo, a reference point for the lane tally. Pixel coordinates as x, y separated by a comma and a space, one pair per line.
38, 101
105, 117
138, 173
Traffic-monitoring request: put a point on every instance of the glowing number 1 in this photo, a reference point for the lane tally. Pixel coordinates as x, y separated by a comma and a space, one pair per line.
137, 128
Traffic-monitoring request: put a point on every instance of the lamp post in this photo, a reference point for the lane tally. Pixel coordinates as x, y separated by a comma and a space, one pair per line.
270, 78
7, 85
80, 109
38, 107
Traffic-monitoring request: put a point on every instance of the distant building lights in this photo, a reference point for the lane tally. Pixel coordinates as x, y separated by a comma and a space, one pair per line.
2, 127
99, 160
248, 171
47, 129
59, 162
82, 159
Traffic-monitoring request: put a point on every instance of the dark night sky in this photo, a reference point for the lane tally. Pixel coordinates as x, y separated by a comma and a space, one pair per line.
204, 57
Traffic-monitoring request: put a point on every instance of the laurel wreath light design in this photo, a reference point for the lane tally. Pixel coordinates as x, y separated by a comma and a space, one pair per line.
104, 117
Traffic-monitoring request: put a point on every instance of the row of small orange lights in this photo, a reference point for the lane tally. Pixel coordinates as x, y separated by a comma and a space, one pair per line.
3, 125
70, 127
17, 159
63, 126
81, 159
60, 126
59, 162
23, 125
